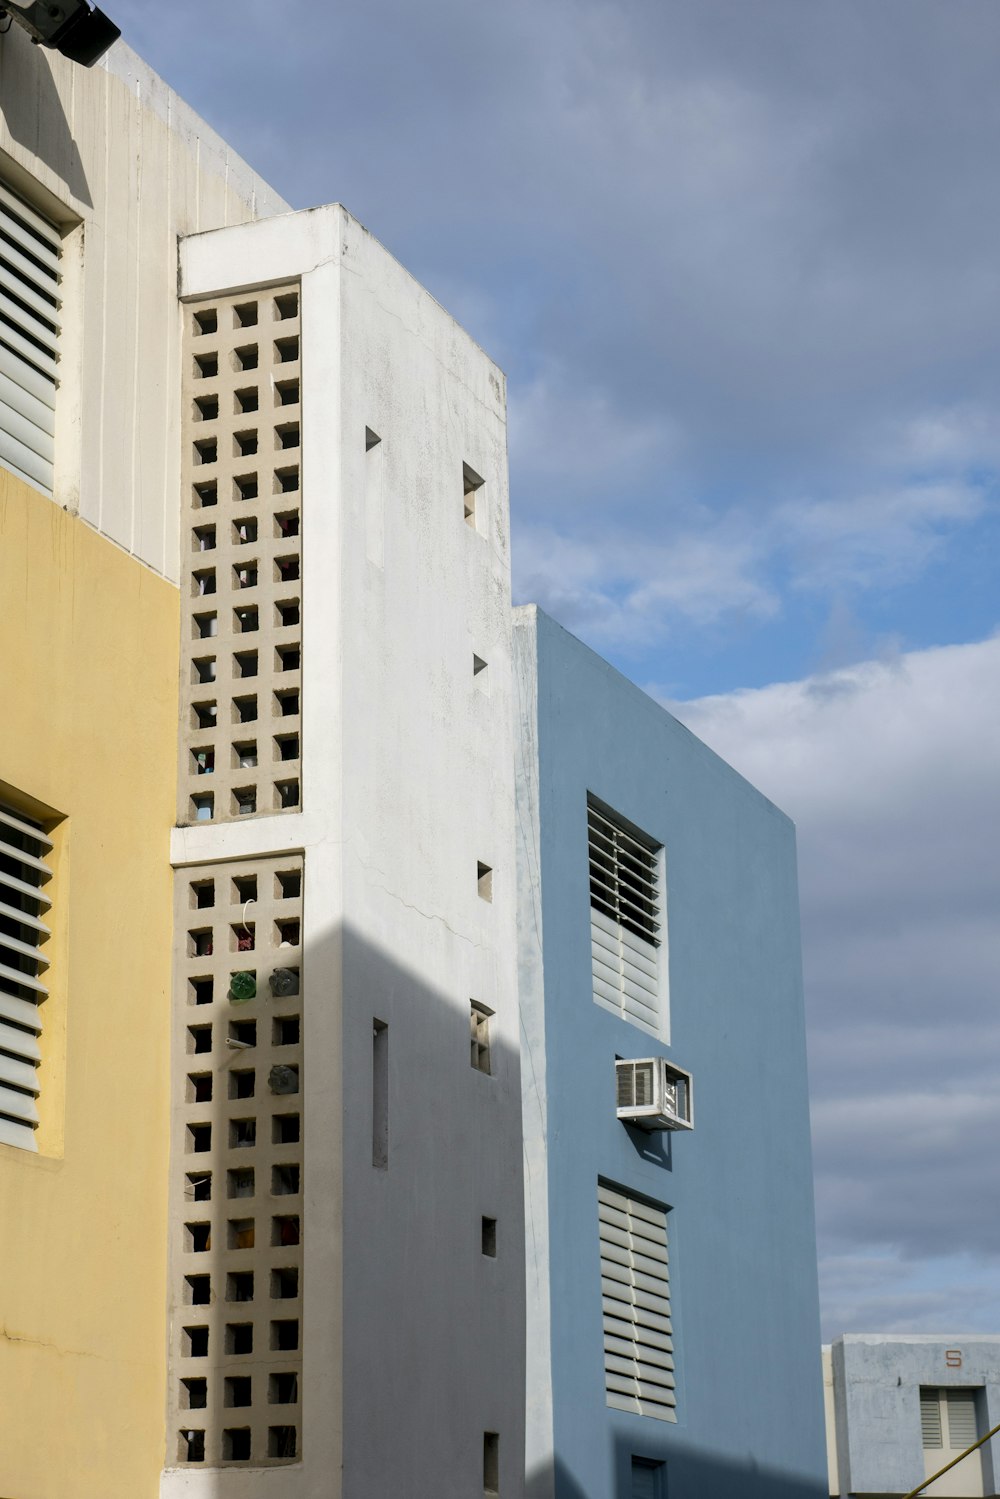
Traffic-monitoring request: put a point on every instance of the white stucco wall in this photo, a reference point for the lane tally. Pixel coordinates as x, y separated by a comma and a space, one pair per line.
413, 1343
123, 166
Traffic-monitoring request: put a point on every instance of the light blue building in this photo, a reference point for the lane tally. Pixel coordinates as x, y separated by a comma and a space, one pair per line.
672, 1297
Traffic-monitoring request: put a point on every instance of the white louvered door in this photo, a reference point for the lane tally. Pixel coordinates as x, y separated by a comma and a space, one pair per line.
948, 1425
23, 930
29, 340
635, 1298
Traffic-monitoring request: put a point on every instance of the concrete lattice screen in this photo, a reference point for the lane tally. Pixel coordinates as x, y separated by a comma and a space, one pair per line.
237, 1176
241, 709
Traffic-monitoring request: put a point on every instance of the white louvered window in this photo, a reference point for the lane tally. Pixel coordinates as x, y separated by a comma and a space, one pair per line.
948, 1419
930, 1418
23, 904
29, 339
961, 1418
625, 918
635, 1298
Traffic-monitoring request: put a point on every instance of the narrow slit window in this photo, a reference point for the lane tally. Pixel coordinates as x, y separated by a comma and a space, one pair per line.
491, 1462
380, 1094
484, 881
479, 1016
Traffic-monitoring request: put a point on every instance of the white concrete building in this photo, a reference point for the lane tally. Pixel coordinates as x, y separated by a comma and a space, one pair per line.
900, 1407
346, 791
390, 495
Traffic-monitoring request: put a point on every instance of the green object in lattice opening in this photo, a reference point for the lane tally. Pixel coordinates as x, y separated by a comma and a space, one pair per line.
242, 987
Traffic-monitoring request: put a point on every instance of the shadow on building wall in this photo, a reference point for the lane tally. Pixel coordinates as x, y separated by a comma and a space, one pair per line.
685, 1474
33, 113
427, 1292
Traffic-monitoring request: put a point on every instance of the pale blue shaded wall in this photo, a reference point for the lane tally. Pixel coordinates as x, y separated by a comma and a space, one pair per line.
742, 1247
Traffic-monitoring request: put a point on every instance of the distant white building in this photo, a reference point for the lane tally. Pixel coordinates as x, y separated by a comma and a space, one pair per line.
898, 1408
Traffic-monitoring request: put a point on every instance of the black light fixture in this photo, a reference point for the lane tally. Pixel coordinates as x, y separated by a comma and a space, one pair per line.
79, 31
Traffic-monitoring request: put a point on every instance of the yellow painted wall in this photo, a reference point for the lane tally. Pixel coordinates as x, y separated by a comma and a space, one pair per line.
88, 728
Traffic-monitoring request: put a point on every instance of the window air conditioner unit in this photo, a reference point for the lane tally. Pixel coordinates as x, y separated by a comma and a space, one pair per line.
654, 1094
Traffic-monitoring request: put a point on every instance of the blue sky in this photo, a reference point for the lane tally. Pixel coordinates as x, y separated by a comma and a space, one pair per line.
740, 264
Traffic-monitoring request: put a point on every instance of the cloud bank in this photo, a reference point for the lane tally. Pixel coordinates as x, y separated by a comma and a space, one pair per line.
890, 770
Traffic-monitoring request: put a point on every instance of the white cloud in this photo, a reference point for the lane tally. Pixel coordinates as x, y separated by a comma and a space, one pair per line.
629, 590
891, 771
872, 538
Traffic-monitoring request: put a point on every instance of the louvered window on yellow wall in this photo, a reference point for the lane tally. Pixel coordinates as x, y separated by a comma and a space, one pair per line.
23, 932
635, 1299
625, 918
29, 339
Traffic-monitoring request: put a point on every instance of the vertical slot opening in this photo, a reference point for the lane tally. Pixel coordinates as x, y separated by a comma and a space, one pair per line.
380, 1094
490, 1238
491, 1462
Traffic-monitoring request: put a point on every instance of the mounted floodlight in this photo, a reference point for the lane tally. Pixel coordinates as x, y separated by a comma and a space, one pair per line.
79, 31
